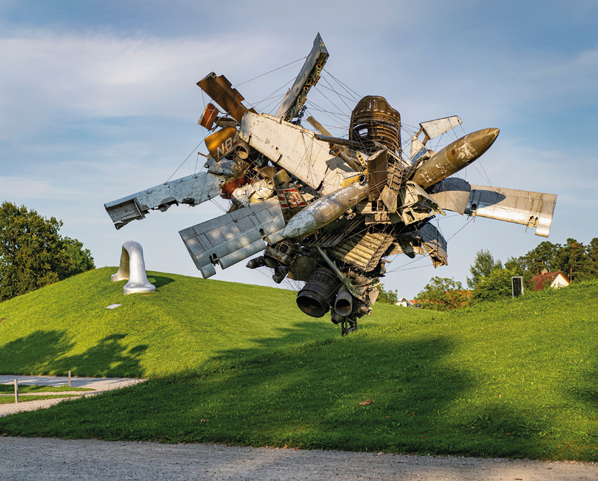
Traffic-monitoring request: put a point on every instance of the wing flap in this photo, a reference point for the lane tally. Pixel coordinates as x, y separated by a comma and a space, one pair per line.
232, 237
191, 190
532, 209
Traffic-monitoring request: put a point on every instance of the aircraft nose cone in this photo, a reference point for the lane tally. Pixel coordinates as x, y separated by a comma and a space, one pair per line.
493, 133
482, 140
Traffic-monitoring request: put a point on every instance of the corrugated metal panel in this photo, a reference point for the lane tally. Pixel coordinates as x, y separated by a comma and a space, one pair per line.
233, 237
363, 250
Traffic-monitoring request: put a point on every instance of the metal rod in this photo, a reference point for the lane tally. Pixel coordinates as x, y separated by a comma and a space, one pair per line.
69, 378
341, 152
16, 391
335, 140
350, 161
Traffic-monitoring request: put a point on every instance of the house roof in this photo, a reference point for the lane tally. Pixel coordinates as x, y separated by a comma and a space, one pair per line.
542, 280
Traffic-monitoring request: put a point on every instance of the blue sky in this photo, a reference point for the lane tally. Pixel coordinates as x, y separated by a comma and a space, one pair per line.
98, 100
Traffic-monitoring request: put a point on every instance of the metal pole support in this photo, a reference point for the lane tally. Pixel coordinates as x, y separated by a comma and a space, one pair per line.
16, 391
69, 378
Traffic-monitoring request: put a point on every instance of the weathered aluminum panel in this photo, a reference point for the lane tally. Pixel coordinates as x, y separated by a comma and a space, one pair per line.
417, 149
192, 190
434, 128
532, 209
336, 176
425, 240
307, 78
434, 243
407, 245
232, 237
416, 204
389, 197
219, 88
295, 149
452, 194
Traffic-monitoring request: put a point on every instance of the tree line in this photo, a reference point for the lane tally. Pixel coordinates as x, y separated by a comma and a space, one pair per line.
33, 254
491, 280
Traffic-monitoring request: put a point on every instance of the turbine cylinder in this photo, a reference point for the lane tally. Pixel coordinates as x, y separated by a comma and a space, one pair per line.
318, 293
373, 122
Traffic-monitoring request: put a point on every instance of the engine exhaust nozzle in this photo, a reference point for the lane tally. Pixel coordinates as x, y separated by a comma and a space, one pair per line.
318, 293
343, 304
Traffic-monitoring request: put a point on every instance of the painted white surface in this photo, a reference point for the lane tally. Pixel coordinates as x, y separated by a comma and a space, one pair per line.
559, 282
132, 267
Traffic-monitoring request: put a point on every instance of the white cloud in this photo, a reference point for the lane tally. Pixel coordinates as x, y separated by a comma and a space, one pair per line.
24, 188
47, 75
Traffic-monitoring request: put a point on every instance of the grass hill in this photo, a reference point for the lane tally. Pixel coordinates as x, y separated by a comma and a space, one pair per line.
514, 378
185, 323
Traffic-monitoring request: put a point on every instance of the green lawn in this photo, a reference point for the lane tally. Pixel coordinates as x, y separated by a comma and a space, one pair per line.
185, 323
32, 388
31, 397
515, 378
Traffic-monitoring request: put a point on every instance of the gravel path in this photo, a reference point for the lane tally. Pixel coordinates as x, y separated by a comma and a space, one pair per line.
99, 384
58, 459
26, 458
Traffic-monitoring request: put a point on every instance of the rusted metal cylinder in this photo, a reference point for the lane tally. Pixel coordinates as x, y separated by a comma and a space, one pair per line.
454, 157
318, 293
374, 120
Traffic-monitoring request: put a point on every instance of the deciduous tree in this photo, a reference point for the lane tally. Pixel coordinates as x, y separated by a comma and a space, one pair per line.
482, 267
494, 287
388, 297
32, 252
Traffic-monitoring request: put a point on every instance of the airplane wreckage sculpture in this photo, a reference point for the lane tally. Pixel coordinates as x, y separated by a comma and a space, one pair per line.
328, 210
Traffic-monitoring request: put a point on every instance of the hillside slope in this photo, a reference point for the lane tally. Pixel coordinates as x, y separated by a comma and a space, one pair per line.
185, 323
515, 378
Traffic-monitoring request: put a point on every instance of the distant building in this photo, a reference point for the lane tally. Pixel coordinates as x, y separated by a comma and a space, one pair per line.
403, 301
554, 279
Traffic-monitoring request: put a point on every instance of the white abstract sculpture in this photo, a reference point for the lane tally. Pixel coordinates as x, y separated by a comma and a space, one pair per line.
132, 267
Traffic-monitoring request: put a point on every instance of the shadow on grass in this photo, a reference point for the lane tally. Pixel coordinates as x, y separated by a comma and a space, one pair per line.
159, 281
585, 390
306, 396
309, 396
46, 352
299, 333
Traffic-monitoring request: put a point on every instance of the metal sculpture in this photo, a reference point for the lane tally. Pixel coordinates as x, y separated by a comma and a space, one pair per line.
327, 210
132, 267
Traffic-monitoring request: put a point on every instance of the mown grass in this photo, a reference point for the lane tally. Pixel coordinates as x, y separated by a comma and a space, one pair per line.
33, 388
515, 378
186, 322
31, 397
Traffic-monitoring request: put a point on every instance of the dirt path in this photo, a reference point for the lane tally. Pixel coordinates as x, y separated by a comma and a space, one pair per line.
24, 459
